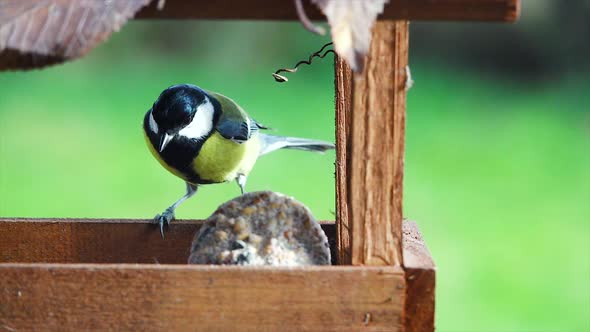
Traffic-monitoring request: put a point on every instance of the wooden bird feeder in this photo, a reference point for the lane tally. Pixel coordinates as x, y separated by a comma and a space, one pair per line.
78, 274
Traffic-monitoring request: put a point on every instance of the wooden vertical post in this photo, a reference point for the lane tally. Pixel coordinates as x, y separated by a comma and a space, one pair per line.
343, 89
370, 128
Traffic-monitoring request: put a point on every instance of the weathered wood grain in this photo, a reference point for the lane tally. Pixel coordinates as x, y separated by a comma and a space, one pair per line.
102, 241
370, 144
420, 281
130, 241
26, 240
343, 90
474, 10
207, 298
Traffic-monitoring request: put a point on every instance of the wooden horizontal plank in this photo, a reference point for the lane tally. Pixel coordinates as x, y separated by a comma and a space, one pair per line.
420, 280
473, 10
25, 240
55, 240
179, 298
165, 296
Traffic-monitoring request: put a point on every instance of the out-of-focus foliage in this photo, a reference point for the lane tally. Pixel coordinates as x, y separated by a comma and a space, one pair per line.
497, 162
550, 39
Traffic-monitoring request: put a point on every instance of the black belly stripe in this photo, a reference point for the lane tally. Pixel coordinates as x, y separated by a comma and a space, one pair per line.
179, 153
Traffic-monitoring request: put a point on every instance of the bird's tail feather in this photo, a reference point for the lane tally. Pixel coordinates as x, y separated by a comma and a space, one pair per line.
271, 143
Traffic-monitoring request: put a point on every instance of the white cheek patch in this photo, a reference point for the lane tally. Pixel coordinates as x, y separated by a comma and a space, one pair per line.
202, 122
152, 123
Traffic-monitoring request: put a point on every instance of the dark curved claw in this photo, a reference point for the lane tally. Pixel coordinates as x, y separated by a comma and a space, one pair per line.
165, 217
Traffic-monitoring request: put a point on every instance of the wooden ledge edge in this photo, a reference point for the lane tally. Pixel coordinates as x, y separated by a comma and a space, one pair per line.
380, 270
112, 221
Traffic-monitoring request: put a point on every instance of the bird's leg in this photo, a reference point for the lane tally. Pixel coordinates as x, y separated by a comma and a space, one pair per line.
168, 215
241, 180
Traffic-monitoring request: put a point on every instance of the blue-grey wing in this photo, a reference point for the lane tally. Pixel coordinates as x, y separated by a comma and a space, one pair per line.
234, 123
238, 131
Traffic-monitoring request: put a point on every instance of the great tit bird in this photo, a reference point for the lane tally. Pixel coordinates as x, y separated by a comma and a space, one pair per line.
204, 137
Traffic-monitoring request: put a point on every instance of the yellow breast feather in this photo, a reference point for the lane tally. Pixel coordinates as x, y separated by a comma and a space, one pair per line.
221, 159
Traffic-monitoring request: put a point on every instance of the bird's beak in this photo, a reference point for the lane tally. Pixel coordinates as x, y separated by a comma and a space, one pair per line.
164, 140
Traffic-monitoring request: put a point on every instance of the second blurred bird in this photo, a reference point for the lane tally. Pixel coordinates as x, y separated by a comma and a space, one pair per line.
204, 137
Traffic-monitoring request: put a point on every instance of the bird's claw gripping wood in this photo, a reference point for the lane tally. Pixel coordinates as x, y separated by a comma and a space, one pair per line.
166, 217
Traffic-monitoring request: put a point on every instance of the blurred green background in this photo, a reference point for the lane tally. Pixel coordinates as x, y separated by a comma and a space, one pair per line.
497, 162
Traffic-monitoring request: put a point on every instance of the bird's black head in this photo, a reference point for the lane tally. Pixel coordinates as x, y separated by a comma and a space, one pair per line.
181, 111
176, 107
